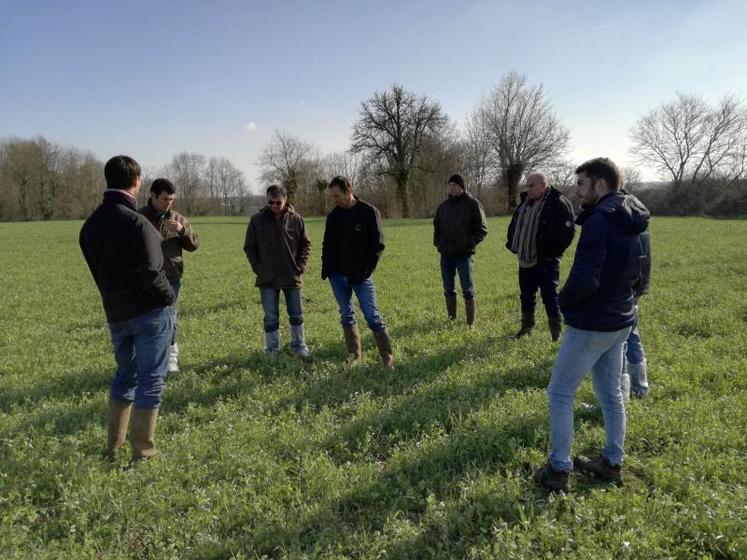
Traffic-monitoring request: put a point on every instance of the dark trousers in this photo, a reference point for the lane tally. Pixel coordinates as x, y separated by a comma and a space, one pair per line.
544, 276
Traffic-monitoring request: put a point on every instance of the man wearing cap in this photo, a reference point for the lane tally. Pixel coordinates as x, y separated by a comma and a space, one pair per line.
459, 226
540, 231
177, 234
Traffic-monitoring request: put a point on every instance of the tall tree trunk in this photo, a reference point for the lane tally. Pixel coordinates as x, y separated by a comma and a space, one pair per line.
513, 176
402, 197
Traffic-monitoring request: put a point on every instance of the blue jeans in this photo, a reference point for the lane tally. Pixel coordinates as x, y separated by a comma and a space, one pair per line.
633, 347
545, 276
366, 294
581, 351
141, 348
450, 266
176, 285
271, 306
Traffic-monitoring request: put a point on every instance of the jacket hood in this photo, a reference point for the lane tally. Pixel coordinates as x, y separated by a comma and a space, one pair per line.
624, 209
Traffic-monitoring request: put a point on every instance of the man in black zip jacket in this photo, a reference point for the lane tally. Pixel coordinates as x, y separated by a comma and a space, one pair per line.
123, 252
353, 244
540, 231
459, 226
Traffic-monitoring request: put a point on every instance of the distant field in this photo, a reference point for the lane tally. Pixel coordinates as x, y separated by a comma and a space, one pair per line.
434, 459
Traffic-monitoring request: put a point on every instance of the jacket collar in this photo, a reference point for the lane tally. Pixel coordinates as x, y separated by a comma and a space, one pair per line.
119, 196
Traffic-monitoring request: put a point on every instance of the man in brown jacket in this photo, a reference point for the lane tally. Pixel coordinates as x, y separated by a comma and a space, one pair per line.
177, 234
278, 249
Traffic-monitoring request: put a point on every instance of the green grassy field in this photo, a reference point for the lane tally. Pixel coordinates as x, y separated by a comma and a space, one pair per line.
282, 458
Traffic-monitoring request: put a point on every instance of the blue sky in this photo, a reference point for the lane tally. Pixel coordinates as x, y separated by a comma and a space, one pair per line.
154, 78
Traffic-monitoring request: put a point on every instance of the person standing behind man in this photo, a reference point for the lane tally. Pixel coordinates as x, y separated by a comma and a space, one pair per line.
123, 252
540, 231
459, 226
597, 302
278, 248
177, 235
353, 244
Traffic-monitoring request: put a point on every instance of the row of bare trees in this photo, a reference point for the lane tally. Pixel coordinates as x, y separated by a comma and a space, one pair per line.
40, 180
403, 147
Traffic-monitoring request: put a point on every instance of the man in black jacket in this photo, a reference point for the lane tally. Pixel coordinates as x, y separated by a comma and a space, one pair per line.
540, 231
353, 244
458, 227
123, 252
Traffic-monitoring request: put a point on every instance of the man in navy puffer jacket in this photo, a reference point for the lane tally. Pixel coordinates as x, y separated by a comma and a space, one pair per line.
597, 303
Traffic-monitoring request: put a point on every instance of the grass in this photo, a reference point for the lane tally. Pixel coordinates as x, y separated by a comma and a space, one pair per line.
284, 458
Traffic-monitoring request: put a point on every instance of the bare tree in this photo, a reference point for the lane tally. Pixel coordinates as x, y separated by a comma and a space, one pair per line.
282, 160
519, 124
688, 139
478, 162
187, 171
230, 182
390, 132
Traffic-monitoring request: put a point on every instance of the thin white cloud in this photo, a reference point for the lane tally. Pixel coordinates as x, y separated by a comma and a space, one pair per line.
251, 126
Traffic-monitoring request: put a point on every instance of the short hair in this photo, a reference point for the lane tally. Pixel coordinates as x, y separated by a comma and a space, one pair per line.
121, 172
341, 182
602, 168
160, 185
277, 190
539, 174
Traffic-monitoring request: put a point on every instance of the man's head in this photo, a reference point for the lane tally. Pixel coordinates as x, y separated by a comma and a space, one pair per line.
122, 172
340, 190
277, 199
456, 186
596, 178
536, 186
162, 194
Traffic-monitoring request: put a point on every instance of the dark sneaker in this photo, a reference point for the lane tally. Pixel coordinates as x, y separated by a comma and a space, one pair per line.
551, 479
599, 467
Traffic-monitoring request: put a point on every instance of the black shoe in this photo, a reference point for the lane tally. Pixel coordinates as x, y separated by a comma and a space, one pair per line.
600, 467
551, 479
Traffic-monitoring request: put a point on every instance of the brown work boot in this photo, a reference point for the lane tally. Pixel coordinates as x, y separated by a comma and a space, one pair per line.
556, 325
527, 324
600, 467
119, 418
142, 433
451, 307
353, 344
470, 306
385, 348
551, 479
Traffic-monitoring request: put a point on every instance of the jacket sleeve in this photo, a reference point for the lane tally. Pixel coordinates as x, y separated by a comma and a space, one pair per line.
566, 227
583, 280
644, 281
512, 229
304, 248
327, 245
251, 250
435, 230
478, 224
148, 256
376, 240
84, 249
188, 238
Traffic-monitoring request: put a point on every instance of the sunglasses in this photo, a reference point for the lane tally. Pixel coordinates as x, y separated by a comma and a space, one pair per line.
274, 202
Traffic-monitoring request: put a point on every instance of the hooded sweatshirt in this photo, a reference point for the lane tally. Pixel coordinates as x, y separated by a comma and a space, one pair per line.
609, 262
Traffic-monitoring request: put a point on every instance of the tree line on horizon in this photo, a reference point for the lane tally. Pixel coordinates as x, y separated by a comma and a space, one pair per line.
403, 147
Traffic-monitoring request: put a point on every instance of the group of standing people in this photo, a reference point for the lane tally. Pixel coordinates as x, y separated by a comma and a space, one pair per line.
135, 257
